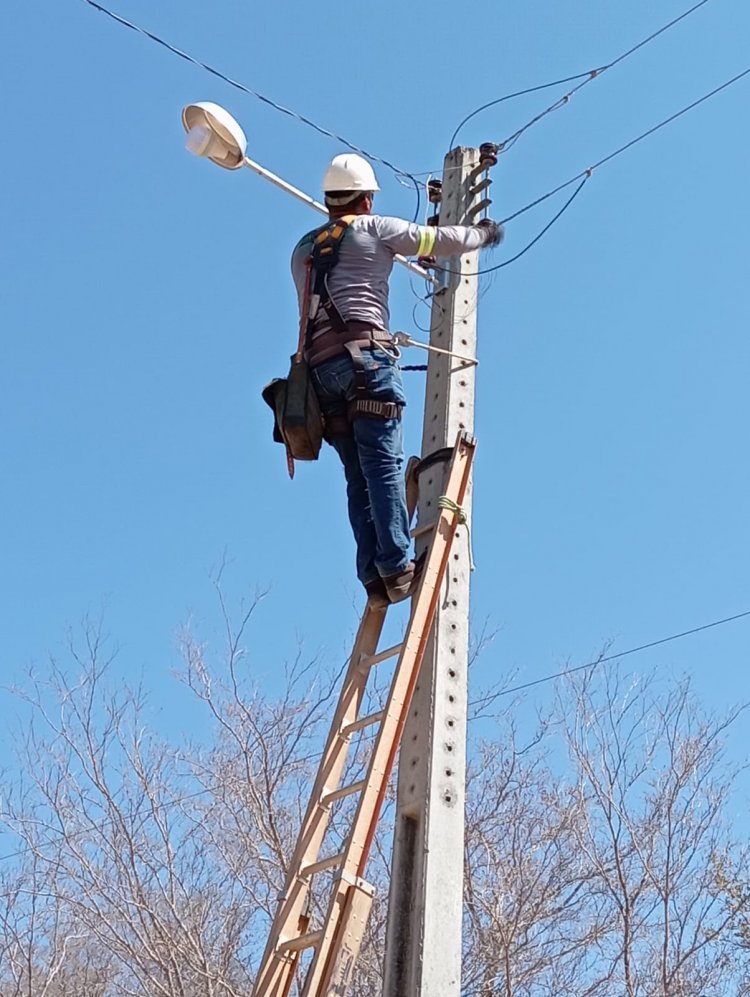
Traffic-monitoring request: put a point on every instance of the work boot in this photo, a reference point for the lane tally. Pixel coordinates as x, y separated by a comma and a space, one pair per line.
377, 595
404, 584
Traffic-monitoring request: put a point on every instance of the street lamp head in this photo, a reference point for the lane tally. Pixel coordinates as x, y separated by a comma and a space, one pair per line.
214, 134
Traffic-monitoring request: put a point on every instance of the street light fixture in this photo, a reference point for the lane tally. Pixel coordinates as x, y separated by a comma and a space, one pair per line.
213, 133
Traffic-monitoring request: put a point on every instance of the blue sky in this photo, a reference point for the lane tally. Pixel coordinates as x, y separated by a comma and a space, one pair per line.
146, 299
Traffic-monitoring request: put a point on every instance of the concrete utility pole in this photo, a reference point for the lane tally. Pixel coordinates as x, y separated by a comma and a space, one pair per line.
423, 941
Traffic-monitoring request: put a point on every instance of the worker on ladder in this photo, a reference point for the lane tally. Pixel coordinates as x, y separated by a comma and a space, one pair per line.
354, 362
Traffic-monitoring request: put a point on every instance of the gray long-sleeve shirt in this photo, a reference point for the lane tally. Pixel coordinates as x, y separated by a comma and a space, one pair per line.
358, 284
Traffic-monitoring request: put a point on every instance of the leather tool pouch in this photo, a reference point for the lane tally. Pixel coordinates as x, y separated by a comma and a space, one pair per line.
298, 422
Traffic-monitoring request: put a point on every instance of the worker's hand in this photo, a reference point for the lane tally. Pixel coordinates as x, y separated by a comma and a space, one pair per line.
493, 233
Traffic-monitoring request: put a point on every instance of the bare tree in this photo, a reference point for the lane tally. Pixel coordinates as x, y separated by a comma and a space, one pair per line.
527, 905
597, 860
599, 876
43, 952
164, 858
653, 786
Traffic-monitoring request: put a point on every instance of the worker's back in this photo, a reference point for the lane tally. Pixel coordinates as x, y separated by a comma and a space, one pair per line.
358, 284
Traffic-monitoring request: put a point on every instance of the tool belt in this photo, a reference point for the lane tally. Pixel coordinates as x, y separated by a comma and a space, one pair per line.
333, 343
354, 338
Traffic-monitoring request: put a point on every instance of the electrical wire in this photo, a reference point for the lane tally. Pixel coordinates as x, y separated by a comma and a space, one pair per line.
510, 96
628, 145
595, 74
534, 241
421, 300
505, 692
585, 175
259, 96
587, 78
623, 654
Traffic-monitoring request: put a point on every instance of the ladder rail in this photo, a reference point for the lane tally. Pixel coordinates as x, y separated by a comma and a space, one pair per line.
336, 943
287, 922
406, 676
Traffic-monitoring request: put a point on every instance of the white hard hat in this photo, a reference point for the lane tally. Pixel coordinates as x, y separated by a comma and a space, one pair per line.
349, 172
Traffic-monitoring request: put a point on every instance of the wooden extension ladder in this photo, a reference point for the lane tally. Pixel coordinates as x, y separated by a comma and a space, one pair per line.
336, 942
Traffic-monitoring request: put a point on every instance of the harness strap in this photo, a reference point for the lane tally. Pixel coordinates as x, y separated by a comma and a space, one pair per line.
363, 404
325, 255
360, 371
375, 409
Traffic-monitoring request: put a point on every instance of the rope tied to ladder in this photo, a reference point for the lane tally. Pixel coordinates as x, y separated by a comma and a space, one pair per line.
463, 520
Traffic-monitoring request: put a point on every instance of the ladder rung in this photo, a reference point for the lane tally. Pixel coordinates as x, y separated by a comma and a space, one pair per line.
307, 941
339, 794
330, 863
361, 724
421, 530
374, 659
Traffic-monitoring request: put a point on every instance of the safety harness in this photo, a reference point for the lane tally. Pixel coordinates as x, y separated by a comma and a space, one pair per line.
353, 336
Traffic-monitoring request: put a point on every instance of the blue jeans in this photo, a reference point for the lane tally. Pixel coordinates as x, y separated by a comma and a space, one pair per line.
373, 455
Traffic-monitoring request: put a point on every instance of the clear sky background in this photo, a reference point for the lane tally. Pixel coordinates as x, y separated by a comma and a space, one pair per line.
146, 299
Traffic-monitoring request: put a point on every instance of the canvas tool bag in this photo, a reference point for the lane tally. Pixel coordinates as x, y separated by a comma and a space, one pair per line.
298, 422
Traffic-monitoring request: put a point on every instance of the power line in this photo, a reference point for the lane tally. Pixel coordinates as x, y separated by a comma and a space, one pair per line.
587, 77
585, 175
595, 74
622, 654
547, 227
254, 93
628, 145
510, 96
505, 692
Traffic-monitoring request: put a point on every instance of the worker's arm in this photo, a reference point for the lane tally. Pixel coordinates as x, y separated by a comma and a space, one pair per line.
435, 240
